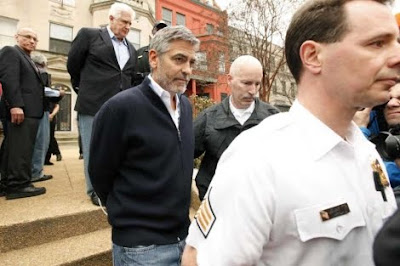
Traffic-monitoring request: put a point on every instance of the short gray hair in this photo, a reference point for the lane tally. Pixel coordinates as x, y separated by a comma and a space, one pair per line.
162, 39
117, 8
39, 59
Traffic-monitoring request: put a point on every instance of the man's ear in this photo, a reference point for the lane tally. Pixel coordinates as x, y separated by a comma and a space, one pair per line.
153, 58
310, 54
229, 79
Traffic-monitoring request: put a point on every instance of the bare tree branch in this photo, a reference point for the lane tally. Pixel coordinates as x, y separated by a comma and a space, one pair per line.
258, 27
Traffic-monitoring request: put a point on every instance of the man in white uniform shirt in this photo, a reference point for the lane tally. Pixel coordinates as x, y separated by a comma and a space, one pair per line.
217, 126
306, 187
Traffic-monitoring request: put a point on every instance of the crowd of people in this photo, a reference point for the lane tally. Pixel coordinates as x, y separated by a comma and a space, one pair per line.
304, 187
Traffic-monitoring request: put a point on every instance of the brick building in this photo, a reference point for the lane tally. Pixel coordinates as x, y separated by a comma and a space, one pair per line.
206, 20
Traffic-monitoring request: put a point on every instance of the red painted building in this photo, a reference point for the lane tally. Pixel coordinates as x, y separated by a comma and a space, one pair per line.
206, 20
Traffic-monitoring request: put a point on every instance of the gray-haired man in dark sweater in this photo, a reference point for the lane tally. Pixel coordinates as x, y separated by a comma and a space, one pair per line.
141, 156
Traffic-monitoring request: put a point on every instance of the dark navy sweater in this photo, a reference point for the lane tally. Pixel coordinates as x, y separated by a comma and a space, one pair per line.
141, 166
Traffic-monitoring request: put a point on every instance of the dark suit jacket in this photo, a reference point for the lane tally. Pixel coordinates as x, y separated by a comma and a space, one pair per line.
94, 69
387, 243
22, 84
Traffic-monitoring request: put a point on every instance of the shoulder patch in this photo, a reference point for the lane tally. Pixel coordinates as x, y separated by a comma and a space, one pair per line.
205, 217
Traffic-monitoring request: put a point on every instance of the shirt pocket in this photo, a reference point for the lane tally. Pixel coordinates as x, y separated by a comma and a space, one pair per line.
310, 224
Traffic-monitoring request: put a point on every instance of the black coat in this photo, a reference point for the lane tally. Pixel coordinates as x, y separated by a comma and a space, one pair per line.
22, 83
143, 66
387, 243
94, 69
215, 128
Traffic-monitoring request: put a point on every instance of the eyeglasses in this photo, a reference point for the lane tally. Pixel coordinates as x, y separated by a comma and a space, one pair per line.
30, 37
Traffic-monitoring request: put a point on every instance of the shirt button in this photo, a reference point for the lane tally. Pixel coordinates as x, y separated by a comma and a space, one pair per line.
339, 229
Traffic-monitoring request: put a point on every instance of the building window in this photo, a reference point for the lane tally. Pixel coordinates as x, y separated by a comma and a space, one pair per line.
180, 19
221, 63
8, 28
210, 28
134, 37
201, 61
272, 62
60, 38
283, 86
167, 16
204, 95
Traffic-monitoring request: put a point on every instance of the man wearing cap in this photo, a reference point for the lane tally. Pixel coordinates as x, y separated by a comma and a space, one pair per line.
143, 67
101, 63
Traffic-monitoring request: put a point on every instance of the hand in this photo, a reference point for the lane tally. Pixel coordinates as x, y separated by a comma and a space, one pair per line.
361, 118
62, 93
51, 117
17, 115
189, 257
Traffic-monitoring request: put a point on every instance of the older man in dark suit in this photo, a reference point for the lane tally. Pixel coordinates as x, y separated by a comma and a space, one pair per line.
23, 98
101, 63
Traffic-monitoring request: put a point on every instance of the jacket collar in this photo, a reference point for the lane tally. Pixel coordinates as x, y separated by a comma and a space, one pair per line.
107, 40
31, 63
224, 117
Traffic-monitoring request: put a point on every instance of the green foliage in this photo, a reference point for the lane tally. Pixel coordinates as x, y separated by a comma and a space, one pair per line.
199, 104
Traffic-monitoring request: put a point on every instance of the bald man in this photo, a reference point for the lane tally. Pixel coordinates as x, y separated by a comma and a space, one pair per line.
217, 126
23, 99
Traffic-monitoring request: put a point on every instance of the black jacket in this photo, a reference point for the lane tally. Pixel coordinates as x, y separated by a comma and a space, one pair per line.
387, 243
143, 66
22, 83
215, 128
141, 167
94, 69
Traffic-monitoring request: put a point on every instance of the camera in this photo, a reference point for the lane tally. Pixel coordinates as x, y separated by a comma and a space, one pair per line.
388, 143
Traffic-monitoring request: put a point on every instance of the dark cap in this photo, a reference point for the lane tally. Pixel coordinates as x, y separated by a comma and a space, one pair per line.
158, 26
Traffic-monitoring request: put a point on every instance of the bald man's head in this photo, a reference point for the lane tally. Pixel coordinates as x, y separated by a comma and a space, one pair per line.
244, 61
244, 80
26, 39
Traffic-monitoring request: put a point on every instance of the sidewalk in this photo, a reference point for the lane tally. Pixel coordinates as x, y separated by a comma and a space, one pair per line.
65, 191
61, 227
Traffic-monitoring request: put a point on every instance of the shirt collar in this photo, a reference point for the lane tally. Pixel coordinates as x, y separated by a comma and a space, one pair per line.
321, 138
112, 35
160, 91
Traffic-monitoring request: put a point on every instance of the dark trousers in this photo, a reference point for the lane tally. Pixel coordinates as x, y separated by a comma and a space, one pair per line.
17, 153
53, 145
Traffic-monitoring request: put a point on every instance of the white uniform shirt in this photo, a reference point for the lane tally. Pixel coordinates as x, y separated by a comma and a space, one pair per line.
264, 203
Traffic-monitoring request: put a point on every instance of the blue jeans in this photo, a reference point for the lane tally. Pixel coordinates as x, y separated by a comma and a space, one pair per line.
41, 145
153, 255
85, 129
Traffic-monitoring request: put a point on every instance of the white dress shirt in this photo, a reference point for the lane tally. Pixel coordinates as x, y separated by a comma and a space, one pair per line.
241, 115
264, 205
166, 99
121, 49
